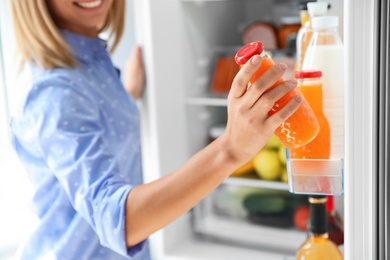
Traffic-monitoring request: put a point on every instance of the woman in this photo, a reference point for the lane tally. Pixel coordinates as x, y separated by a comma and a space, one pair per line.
77, 134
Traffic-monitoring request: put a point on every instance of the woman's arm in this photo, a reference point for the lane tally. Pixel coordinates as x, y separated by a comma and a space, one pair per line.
152, 206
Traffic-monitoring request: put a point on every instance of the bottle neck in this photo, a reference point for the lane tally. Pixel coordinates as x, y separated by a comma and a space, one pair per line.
312, 88
318, 223
265, 55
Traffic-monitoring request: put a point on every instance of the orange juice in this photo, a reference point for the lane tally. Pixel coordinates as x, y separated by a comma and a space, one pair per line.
300, 128
310, 85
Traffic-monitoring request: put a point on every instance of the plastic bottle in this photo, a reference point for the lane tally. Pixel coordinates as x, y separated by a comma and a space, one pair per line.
307, 11
310, 84
318, 245
300, 128
325, 53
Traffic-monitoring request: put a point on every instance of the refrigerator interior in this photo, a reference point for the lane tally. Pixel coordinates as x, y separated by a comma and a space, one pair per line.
199, 33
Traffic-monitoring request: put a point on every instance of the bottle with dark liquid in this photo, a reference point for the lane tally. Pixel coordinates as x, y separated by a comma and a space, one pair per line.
318, 246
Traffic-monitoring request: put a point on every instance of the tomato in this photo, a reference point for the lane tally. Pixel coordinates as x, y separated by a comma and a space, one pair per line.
301, 216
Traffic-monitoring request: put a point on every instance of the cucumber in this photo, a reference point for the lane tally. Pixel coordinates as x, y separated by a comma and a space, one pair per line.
261, 203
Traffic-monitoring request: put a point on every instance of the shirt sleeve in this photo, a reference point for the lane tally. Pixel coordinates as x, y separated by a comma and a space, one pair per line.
69, 130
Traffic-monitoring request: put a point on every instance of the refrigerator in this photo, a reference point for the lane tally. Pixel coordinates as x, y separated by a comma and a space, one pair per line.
181, 40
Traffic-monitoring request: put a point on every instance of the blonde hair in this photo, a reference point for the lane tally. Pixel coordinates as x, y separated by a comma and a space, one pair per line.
39, 41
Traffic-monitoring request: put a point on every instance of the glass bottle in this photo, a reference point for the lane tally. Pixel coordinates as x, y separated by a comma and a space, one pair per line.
318, 246
310, 84
335, 228
307, 11
300, 128
325, 53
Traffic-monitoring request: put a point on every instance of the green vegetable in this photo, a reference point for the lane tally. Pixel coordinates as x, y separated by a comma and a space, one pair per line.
265, 203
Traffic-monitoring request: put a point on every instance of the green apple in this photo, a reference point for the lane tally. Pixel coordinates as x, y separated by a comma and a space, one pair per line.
273, 143
267, 165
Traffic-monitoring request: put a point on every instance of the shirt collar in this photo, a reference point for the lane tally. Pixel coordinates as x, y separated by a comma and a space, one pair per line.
84, 48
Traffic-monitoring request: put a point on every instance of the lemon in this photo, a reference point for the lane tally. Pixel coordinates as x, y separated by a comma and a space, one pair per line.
267, 165
273, 143
282, 155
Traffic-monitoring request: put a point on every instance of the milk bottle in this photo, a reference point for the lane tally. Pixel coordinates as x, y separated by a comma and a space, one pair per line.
325, 53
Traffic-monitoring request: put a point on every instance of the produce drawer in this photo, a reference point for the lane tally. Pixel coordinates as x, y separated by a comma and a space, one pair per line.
252, 217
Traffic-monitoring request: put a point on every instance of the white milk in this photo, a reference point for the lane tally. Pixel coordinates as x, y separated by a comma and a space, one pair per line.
329, 59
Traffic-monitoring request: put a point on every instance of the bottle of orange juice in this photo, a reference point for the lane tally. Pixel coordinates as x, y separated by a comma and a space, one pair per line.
300, 128
309, 83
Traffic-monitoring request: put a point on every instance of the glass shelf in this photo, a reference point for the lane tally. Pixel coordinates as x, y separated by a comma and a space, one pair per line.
209, 100
316, 176
250, 179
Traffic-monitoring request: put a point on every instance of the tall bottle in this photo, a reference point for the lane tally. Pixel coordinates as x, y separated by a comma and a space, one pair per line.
310, 84
325, 53
302, 126
307, 11
318, 246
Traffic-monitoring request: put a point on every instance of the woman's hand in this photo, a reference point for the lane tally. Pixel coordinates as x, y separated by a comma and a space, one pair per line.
249, 126
135, 74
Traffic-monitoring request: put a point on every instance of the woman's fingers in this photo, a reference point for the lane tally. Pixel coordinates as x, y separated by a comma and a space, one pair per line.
268, 99
240, 82
249, 126
264, 82
279, 117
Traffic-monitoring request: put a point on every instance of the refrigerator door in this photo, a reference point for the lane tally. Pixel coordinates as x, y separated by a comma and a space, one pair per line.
366, 133
384, 124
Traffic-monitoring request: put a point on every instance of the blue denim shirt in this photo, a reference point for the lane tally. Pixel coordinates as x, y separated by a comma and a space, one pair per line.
76, 132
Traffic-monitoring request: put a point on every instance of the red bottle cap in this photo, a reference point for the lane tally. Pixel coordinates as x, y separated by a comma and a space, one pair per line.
304, 74
246, 52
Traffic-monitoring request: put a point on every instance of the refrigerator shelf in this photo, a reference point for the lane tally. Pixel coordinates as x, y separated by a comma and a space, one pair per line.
316, 176
256, 183
208, 100
252, 235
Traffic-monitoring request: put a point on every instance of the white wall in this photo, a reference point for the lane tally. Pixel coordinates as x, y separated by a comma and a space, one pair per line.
14, 187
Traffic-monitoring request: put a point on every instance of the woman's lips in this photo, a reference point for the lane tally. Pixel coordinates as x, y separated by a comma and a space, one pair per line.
89, 5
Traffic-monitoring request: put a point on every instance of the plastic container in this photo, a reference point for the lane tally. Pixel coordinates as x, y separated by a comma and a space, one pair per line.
310, 84
300, 128
325, 53
315, 176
